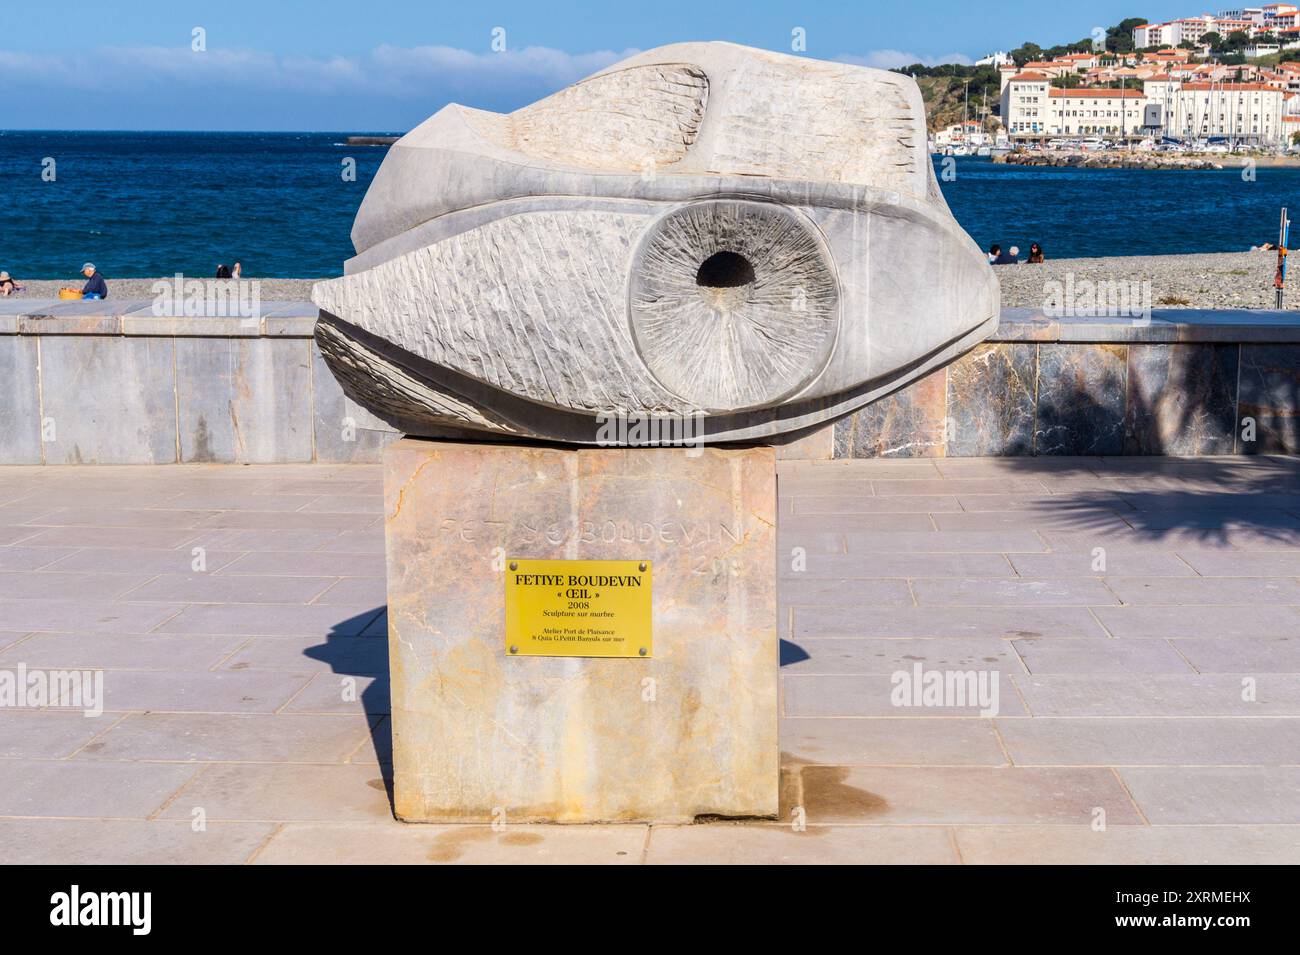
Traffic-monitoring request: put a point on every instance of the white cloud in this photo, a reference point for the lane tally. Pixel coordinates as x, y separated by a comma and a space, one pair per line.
389, 87
389, 69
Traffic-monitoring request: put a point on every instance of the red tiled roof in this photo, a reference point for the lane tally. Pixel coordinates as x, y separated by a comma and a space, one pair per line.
1231, 87
1099, 94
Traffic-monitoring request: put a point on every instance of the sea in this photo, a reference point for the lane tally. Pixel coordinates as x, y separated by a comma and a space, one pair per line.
148, 204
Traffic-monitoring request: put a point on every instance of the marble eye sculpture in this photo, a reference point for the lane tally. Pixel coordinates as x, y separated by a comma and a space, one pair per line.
752, 239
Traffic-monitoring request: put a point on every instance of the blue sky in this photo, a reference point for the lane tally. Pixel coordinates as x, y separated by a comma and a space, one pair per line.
371, 65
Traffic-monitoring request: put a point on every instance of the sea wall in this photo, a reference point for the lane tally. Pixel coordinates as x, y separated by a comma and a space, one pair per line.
113, 383
1185, 382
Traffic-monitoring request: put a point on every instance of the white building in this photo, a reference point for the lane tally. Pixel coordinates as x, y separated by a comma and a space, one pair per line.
1153, 34
1250, 20
997, 59
1248, 112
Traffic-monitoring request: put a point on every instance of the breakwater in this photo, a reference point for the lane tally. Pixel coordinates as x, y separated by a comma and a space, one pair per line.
1117, 159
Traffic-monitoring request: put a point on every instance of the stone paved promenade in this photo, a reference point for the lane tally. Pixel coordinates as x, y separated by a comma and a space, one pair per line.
1161, 694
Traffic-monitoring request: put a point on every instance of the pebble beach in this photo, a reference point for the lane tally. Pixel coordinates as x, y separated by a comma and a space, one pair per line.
1217, 280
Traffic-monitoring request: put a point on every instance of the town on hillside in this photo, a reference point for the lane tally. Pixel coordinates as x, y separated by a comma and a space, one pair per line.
1211, 83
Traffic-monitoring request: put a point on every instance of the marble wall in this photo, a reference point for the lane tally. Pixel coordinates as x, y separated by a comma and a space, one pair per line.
130, 387
1090, 398
150, 390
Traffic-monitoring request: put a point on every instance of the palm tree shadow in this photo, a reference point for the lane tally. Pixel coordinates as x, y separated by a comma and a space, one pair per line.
357, 648
1221, 418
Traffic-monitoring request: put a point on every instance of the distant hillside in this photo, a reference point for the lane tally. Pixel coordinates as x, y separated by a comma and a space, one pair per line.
943, 100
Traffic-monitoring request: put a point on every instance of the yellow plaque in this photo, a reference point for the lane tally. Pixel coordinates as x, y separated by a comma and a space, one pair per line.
578, 608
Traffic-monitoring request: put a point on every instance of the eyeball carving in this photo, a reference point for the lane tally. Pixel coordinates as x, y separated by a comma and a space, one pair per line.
754, 239
734, 304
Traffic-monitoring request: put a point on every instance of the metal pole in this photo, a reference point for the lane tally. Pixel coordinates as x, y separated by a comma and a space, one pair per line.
1283, 233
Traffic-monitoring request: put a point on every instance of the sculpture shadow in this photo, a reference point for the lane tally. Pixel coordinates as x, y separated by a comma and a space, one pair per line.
364, 659
792, 653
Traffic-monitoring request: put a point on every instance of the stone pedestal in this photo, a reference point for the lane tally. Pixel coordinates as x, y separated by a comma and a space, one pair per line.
479, 735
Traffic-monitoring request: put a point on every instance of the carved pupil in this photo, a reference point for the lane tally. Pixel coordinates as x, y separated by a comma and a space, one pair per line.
725, 270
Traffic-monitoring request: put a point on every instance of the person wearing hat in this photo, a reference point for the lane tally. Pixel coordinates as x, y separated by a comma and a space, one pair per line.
7, 285
95, 286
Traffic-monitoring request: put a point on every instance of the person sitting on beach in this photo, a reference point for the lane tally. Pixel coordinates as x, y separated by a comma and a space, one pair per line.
1035, 254
95, 286
995, 250
1007, 258
1265, 247
8, 286
223, 271
237, 272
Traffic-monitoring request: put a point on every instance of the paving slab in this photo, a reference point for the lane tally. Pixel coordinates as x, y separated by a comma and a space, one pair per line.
1241, 654
1244, 563
254, 738
305, 564
34, 558
128, 842
190, 691
963, 796
211, 589
818, 592
152, 561
949, 542
981, 592
1163, 622
846, 656
1161, 695
396, 843
1151, 742
1105, 563
814, 845
279, 793
1085, 655
51, 585
976, 692
879, 566
867, 523
1216, 795
1201, 591
358, 593
115, 537
334, 693
47, 733
265, 620
846, 505
105, 616
1129, 845
344, 655
890, 742
127, 651
946, 622
39, 787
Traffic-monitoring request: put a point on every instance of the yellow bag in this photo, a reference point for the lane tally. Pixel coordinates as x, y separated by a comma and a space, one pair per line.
69, 293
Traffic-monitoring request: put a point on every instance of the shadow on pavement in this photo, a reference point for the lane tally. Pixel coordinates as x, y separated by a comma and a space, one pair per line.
365, 660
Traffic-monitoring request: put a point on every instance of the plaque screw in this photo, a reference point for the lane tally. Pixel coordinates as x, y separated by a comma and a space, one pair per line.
641, 566
514, 649
514, 565
642, 651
